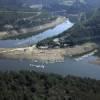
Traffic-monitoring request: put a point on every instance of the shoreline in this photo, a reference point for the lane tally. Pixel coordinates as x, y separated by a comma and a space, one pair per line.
47, 55
24, 42
24, 31
85, 55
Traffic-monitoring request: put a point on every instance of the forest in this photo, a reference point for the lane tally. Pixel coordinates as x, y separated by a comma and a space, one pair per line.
25, 85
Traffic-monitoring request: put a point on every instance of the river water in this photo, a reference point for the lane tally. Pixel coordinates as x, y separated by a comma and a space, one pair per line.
41, 36
70, 66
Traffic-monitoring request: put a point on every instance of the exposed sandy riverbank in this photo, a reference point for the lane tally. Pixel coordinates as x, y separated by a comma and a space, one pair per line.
46, 54
53, 23
35, 29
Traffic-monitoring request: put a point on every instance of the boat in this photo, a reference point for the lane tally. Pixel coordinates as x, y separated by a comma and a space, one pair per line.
37, 66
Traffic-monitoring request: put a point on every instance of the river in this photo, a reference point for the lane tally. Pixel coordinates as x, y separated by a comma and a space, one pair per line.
41, 36
70, 66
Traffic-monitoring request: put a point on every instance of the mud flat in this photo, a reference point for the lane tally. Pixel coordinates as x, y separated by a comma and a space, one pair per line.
46, 54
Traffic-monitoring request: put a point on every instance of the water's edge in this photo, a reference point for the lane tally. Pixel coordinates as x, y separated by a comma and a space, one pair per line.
34, 39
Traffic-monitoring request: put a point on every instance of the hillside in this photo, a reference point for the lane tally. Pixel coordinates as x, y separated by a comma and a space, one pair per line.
86, 30
13, 22
69, 8
34, 86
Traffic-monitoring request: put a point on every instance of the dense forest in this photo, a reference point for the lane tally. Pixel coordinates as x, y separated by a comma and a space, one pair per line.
26, 85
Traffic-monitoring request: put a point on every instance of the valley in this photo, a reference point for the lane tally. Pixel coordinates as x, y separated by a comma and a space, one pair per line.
35, 34
49, 49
